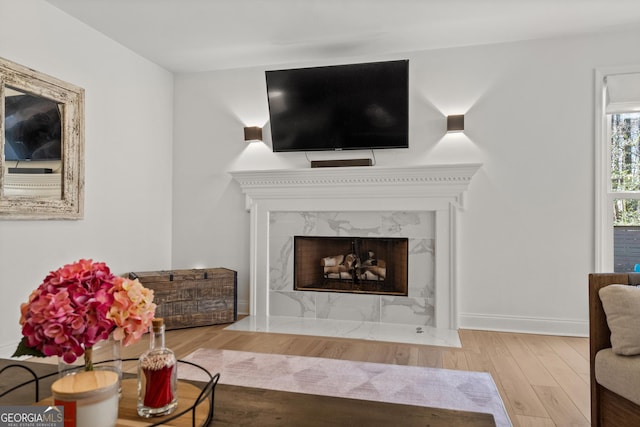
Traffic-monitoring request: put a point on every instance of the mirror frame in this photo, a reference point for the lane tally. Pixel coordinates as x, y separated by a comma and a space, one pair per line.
70, 205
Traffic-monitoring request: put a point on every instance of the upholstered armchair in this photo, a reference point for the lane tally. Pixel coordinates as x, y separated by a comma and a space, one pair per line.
614, 304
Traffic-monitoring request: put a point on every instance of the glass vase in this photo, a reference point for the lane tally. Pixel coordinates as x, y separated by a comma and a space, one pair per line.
105, 355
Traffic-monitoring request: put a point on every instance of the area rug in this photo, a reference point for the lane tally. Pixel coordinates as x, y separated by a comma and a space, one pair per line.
412, 385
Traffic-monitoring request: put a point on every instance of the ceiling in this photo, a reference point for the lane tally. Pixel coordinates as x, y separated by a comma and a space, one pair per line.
203, 35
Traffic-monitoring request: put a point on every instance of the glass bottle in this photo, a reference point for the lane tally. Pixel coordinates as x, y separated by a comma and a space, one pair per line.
157, 376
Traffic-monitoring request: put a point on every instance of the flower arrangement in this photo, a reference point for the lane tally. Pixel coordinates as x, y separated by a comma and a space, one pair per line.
79, 305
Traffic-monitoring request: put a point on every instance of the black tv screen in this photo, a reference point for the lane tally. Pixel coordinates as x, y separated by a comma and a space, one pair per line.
341, 107
32, 128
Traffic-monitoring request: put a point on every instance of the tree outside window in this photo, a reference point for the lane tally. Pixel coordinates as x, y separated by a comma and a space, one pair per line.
625, 166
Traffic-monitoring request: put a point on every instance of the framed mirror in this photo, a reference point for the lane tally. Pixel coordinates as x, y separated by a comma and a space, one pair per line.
41, 145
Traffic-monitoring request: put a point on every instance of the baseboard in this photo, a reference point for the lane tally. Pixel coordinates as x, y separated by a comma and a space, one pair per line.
531, 325
243, 307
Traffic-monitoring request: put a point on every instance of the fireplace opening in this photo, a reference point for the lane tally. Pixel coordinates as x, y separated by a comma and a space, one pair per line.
373, 265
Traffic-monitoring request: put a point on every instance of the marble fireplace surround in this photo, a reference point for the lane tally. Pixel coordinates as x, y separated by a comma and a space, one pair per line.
435, 189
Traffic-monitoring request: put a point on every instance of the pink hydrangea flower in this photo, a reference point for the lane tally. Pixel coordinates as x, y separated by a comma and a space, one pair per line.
132, 310
80, 304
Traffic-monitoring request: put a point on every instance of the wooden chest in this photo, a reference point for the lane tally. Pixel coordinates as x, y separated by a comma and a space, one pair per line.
197, 297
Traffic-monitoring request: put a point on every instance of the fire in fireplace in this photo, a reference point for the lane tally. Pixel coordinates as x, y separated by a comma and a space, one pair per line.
374, 265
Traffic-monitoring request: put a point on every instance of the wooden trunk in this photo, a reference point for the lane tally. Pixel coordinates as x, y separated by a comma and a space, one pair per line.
197, 297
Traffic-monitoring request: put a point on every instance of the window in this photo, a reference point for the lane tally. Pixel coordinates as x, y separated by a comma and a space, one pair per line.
618, 170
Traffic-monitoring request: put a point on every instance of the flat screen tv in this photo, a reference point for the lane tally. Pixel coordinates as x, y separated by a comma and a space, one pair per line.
32, 128
341, 107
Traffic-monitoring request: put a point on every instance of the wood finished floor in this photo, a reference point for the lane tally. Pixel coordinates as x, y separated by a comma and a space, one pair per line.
543, 380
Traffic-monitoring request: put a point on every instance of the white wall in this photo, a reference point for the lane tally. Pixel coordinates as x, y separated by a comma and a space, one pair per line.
527, 236
128, 166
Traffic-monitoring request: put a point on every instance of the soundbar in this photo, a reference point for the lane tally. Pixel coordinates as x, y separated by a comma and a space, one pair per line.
340, 163
30, 170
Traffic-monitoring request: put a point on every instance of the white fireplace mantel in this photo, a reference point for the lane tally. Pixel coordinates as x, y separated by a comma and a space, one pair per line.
437, 188
442, 181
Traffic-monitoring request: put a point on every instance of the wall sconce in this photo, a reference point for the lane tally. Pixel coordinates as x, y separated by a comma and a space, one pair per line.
455, 123
253, 133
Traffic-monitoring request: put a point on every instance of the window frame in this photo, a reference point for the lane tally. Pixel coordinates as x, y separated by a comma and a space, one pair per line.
604, 195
